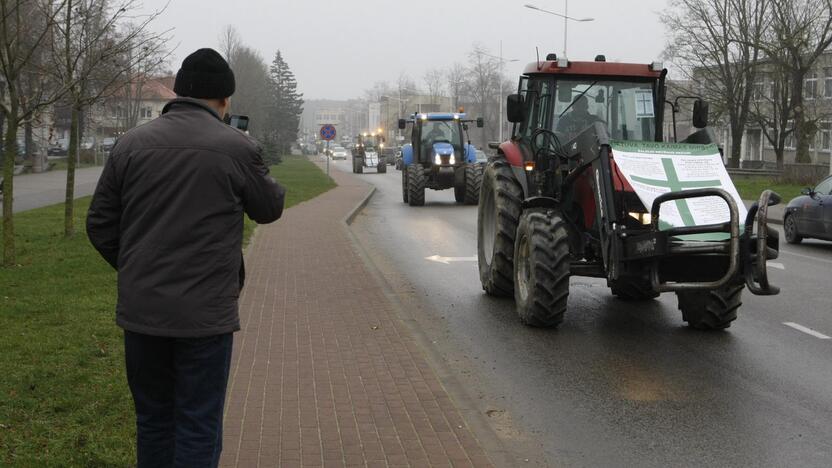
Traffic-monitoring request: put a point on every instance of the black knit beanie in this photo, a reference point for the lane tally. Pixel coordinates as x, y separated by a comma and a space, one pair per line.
205, 75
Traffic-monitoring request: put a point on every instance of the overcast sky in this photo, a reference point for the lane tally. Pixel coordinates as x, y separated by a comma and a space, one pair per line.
339, 48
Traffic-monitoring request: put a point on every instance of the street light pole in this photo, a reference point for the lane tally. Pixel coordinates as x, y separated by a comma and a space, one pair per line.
565, 17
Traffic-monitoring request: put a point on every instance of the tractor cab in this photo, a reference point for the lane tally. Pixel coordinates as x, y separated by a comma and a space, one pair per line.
439, 156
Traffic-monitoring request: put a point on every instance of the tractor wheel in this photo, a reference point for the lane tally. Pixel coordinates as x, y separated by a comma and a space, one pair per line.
382, 167
633, 289
404, 186
497, 218
354, 170
710, 310
459, 184
473, 180
415, 185
541, 268
790, 226
359, 166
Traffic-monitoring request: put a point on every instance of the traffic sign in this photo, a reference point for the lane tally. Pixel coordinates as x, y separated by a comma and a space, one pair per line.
328, 132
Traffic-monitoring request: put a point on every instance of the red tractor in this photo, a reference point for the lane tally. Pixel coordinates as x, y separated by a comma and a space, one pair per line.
559, 200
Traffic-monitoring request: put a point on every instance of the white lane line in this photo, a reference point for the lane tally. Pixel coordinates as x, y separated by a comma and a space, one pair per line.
806, 330
779, 266
448, 260
807, 257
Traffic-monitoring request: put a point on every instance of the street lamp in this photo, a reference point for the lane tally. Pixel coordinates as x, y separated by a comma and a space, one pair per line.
502, 62
565, 19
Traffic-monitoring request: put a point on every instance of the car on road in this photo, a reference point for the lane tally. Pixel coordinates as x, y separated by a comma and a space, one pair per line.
810, 215
339, 153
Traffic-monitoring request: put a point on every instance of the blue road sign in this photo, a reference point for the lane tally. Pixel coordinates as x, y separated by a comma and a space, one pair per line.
328, 132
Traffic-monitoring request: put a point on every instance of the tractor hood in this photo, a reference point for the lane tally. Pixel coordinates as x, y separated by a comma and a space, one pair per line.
443, 149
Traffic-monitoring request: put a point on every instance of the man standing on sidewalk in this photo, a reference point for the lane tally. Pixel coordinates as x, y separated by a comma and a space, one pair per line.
168, 216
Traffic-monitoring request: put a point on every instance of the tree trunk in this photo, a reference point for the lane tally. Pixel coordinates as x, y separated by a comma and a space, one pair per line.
10, 151
736, 146
71, 157
804, 132
32, 155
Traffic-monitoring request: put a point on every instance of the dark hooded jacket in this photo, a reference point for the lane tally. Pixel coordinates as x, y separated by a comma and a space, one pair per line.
168, 216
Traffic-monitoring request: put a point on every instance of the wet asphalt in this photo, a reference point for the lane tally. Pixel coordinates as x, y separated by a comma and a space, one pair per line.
618, 383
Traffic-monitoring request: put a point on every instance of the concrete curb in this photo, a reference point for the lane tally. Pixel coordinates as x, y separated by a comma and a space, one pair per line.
348, 220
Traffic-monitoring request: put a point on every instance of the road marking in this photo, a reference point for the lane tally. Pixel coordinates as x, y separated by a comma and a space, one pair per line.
808, 257
448, 260
806, 330
779, 266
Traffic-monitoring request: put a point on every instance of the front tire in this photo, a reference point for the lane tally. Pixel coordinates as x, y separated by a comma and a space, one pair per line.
497, 217
710, 310
473, 180
541, 269
790, 227
382, 167
415, 185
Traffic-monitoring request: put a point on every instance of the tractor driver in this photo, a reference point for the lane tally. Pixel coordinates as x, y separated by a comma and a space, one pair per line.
436, 133
577, 119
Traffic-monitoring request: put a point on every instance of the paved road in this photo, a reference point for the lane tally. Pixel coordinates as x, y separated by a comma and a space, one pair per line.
49, 188
618, 384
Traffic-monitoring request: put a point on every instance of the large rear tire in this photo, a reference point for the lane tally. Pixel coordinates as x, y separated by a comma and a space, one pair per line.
415, 185
710, 310
497, 218
541, 268
473, 180
633, 289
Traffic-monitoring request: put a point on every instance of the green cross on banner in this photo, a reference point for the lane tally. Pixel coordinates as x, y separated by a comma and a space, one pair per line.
676, 185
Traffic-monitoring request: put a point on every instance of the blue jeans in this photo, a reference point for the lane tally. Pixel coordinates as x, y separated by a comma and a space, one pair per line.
178, 387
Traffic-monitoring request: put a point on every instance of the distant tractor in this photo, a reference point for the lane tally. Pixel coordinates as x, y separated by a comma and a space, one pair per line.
440, 157
366, 153
567, 196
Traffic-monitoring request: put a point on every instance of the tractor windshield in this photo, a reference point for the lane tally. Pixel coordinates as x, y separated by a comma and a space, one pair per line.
442, 131
627, 108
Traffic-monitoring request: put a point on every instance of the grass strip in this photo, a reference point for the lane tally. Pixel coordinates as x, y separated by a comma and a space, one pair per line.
64, 399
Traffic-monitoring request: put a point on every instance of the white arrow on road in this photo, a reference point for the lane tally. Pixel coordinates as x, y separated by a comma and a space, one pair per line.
448, 260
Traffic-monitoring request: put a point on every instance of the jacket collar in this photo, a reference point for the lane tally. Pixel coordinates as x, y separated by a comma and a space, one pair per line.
185, 102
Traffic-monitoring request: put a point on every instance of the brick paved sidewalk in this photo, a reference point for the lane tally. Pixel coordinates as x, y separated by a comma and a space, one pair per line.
324, 373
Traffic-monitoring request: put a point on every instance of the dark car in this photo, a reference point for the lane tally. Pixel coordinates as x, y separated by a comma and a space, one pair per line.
810, 215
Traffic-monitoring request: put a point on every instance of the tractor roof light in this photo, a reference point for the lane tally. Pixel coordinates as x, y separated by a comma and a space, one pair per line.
528, 166
424, 116
657, 66
456, 116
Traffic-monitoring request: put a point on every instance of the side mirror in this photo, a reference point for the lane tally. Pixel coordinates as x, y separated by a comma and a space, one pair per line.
515, 108
465, 127
808, 191
402, 124
700, 114
480, 122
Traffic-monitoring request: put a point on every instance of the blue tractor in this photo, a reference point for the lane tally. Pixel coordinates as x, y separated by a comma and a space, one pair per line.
439, 157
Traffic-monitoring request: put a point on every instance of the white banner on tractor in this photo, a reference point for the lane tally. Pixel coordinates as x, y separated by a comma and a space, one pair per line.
656, 168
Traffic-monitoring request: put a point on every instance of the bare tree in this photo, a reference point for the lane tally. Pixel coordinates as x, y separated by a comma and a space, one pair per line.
25, 27
482, 81
435, 83
801, 31
94, 48
456, 75
253, 88
716, 43
230, 43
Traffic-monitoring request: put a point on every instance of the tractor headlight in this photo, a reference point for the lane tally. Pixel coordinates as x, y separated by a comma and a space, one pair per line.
437, 159
453, 160
643, 218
